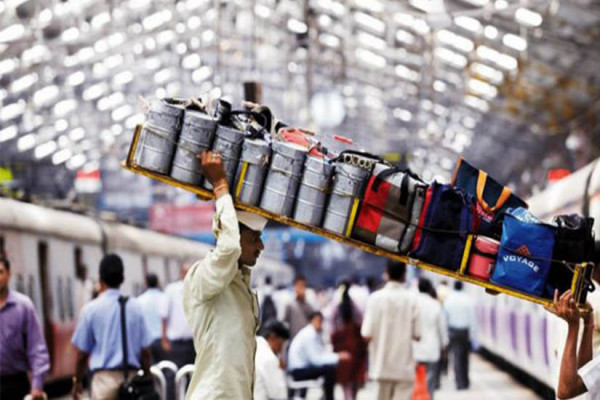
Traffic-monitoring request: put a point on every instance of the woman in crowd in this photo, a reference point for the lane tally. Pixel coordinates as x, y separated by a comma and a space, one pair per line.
346, 323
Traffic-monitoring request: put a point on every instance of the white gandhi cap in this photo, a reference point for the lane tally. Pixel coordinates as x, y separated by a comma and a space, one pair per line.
252, 221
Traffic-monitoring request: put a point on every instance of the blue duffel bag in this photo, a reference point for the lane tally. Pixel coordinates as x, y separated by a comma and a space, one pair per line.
525, 252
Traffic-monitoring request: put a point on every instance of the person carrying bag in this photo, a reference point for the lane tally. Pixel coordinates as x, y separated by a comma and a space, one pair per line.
138, 387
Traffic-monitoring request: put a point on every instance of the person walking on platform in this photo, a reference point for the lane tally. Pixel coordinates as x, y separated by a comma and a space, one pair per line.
460, 314
346, 323
298, 311
390, 325
218, 302
98, 336
177, 339
270, 371
309, 359
434, 338
153, 303
22, 345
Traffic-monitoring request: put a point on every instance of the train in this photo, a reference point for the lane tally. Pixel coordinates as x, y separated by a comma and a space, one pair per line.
523, 335
46, 245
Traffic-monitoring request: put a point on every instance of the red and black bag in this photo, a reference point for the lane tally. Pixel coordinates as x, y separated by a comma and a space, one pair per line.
390, 208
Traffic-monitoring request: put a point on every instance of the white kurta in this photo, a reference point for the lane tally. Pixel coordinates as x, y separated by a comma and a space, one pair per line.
223, 314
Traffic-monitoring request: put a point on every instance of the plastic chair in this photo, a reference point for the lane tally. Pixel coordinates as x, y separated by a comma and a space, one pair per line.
308, 384
182, 378
160, 382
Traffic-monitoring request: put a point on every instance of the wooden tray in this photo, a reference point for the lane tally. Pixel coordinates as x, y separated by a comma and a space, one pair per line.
577, 285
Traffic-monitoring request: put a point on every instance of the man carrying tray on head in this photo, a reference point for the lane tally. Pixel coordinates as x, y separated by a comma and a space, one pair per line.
219, 305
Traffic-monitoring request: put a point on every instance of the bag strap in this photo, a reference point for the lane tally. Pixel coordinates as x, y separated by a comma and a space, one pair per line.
504, 196
404, 192
122, 302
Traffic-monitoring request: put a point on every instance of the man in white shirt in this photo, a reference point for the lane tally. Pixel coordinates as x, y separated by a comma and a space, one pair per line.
152, 302
177, 338
220, 306
460, 315
309, 359
269, 382
434, 339
390, 325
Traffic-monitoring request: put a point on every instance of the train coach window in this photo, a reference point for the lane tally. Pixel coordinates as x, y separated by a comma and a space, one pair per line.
2, 247
69, 299
60, 298
20, 284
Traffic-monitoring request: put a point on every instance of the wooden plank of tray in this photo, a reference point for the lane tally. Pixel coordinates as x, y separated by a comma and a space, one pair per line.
203, 194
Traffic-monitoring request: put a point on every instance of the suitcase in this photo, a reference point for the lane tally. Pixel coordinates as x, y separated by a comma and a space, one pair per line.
484, 253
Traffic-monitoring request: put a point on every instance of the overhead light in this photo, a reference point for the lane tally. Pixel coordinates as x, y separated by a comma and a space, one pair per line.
324, 20
44, 150
99, 20
61, 156
482, 88
95, 91
8, 133
61, 125
368, 57
477, 3
421, 26
370, 22
13, 110
262, 11
166, 37
501, 4
65, 107
163, 76
152, 63
12, 33
70, 35
404, 19
450, 57
329, 40
122, 112
402, 114
201, 74
404, 36
9, 65
297, 26
24, 83
26, 142
439, 86
528, 18
406, 73
45, 16
191, 61
76, 161
85, 54
371, 40
76, 78
208, 35
477, 103
35, 55
76, 134
468, 23
157, 19
371, 5
122, 78
490, 32
113, 61
502, 60
487, 72
458, 42
514, 42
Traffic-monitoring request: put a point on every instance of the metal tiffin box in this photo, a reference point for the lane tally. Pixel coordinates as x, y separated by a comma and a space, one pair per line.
284, 176
228, 143
352, 172
314, 187
159, 135
251, 172
196, 137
